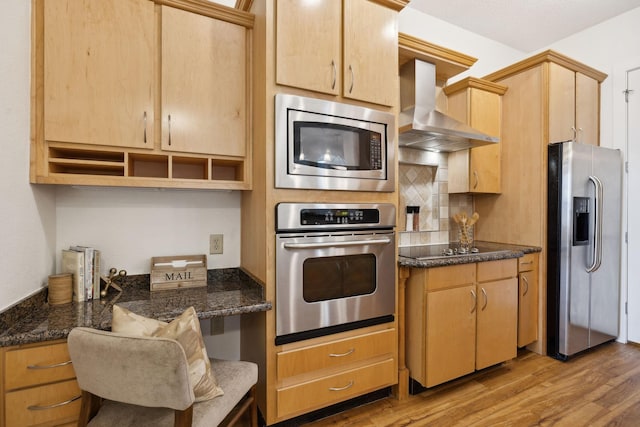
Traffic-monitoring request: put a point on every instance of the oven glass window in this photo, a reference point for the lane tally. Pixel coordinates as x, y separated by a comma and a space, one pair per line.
336, 277
333, 146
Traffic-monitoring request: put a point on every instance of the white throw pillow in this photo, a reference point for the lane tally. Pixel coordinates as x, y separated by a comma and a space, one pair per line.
186, 330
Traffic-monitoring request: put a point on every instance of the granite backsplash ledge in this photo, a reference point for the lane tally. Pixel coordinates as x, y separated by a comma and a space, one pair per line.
228, 292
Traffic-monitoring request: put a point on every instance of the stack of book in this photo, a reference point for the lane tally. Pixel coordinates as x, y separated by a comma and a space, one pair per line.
84, 263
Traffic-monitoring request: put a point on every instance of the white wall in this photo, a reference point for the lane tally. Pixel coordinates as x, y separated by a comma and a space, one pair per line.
131, 225
491, 54
27, 214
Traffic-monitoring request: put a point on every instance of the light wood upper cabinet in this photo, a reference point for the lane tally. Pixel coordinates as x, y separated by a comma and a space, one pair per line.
204, 70
335, 48
477, 103
308, 45
370, 33
138, 93
98, 72
573, 106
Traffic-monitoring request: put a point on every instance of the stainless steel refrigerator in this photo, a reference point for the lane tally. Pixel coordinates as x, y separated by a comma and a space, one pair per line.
583, 247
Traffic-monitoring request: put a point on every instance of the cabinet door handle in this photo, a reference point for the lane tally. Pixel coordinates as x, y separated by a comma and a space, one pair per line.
350, 351
55, 365
575, 133
475, 301
169, 118
352, 78
486, 299
475, 174
55, 405
342, 388
526, 285
145, 127
335, 74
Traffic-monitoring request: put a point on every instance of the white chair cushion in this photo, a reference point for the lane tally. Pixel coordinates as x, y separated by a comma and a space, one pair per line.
235, 377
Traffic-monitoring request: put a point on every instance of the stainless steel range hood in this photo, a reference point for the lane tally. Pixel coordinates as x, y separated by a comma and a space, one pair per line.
423, 127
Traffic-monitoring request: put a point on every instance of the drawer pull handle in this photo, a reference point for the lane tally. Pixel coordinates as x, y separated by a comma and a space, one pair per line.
342, 388
342, 354
55, 405
526, 263
56, 365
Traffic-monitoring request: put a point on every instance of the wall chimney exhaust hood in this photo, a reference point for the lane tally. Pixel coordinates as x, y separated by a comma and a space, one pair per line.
423, 127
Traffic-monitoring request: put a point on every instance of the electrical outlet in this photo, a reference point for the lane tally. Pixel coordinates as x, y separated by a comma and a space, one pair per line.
215, 244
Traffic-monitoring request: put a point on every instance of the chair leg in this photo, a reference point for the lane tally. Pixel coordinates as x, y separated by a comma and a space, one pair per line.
183, 418
254, 407
88, 408
248, 405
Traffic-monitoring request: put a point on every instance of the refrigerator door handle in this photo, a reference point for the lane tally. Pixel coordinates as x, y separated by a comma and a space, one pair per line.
597, 232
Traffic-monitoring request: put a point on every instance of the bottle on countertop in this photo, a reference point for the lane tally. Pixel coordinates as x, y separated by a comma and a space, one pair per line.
413, 218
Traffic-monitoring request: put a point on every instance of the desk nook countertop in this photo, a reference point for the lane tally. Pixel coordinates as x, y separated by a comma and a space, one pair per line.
228, 292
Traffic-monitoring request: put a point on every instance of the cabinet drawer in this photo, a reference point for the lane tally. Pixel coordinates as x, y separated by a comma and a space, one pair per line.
527, 262
37, 365
451, 276
335, 353
325, 391
496, 270
43, 404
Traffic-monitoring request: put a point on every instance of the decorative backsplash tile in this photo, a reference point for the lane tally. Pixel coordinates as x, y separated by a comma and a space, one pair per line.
427, 187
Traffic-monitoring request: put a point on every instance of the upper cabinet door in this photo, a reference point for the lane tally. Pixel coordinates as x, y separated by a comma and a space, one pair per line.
370, 67
587, 109
562, 103
98, 72
204, 75
308, 44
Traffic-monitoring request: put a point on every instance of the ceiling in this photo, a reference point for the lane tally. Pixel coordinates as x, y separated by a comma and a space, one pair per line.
526, 25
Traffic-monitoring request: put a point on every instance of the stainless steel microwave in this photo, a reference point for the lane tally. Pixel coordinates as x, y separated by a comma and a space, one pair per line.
327, 145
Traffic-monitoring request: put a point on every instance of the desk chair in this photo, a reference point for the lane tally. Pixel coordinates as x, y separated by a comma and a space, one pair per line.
143, 381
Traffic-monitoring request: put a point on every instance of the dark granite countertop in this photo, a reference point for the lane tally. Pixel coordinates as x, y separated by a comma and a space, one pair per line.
229, 292
498, 251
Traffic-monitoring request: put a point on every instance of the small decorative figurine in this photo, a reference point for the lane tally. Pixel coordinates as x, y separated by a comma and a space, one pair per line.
110, 280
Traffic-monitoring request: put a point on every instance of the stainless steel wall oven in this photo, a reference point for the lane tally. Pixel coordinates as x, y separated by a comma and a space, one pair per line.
335, 268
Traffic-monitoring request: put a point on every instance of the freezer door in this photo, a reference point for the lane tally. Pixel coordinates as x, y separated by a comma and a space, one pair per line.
605, 280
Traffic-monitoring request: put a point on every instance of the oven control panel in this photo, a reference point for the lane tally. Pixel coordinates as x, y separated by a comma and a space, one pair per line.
334, 216
339, 216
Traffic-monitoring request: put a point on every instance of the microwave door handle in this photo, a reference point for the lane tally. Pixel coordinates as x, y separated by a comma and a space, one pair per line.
336, 244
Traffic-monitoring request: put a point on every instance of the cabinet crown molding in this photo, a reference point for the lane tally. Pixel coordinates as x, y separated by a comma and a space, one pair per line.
476, 83
448, 62
547, 56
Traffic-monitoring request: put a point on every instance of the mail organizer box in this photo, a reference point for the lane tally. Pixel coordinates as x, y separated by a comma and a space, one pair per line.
180, 271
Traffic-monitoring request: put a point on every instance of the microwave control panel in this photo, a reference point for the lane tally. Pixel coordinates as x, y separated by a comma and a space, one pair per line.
339, 216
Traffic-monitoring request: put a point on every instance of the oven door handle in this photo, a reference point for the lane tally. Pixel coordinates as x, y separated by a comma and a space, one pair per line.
335, 244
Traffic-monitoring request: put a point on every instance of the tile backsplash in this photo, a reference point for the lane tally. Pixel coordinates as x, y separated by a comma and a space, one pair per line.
427, 188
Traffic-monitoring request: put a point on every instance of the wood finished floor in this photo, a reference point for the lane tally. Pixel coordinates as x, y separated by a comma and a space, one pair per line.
598, 388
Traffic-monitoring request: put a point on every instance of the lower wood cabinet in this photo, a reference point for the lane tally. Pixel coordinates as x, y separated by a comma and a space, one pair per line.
460, 318
528, 299
315, 375
39, 386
